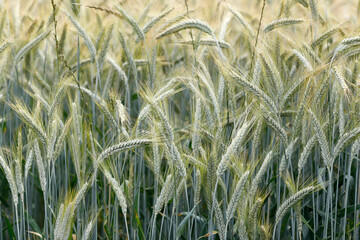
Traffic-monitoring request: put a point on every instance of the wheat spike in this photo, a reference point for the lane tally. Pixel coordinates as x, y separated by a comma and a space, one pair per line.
19, 179
11, 179
235, 198
314, 10
351, 41
252, 88
275, 83
197, 119
208, 42
89, 228
257, 179
132, 22
275, 125
30, 121
241, 19
253, 215
146, 28
119, 193
51, 142
237, 140
120, 147
325, 152
282, 22
81, 194
61, 139
219, 220
328, 34
58, 222
165, 191
242, 230
306, 153
186, 24
100, 103
303, 60
60, 94
285, 206
107, 10
24, 50
198, 187
287, 157
85, 36
40, 166
157, 160
345, 140
5, 45
341, 80
28, 163
105, 46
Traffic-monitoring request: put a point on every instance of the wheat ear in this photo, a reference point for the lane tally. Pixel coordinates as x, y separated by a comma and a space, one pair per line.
11, 180
235, 198
280, 23
285, 206
186, 24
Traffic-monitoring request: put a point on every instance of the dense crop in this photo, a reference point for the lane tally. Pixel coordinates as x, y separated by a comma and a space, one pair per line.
179, 120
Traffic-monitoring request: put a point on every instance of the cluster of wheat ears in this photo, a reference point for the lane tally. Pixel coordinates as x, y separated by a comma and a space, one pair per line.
179, 120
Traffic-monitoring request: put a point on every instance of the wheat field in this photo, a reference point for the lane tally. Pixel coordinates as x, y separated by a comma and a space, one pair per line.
179, 119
